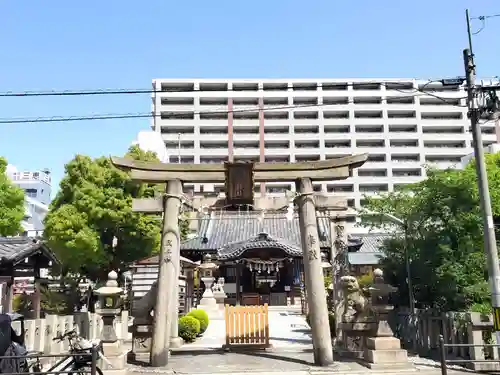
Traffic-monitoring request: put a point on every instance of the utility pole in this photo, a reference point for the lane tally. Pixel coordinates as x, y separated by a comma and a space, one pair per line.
490, 245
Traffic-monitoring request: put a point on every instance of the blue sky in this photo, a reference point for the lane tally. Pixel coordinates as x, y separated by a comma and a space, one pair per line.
60, 45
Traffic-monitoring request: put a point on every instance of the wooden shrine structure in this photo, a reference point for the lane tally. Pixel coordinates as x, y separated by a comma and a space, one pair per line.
23, 257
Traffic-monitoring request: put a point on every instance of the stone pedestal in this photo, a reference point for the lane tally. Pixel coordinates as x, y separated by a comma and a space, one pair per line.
109, 298
385, 353
220, 298
208, 303
116, 359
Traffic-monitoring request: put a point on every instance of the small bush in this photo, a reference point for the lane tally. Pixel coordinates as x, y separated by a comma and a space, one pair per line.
189, 327
202, 317
331, 321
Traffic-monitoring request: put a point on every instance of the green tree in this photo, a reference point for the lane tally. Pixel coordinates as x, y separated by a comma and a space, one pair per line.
445, 236
12, 209
94, 206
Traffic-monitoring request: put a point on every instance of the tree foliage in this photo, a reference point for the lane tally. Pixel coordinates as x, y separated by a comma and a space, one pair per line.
444, 236
94, 206
12, 209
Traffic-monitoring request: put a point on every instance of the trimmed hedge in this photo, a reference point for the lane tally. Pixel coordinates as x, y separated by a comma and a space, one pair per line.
202, 317
189, 328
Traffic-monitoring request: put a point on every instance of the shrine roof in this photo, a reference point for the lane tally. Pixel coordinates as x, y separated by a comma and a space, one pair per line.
16, 249
221, 229
370, 252
261, 241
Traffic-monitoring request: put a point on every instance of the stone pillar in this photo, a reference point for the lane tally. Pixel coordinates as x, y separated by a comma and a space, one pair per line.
339, 268
313, 274
167, 272
110, 308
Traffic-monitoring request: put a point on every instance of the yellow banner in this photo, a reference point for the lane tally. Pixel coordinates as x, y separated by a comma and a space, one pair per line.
496, 319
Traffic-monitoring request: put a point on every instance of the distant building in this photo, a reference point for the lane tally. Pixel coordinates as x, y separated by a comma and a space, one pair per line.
490, 149
152, 141
37, 189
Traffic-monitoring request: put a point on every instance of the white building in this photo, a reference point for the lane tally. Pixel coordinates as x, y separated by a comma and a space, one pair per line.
37, 190
400, 127
152, 141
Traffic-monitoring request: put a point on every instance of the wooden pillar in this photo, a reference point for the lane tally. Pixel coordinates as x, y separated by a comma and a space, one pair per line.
313, 274
189, 289
37, 302
167, 272
9, 295
238, 282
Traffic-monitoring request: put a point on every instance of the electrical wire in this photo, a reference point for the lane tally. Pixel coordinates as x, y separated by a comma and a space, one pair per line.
483, 21
92, 92
174, 115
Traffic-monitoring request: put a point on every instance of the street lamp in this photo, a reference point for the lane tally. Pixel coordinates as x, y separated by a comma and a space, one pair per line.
404, 224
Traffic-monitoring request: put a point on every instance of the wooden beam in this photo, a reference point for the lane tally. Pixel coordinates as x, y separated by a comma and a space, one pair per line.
155, 176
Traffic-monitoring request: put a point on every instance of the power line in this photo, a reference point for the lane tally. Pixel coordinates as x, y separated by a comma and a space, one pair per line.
93, 92
173, 115
483, 23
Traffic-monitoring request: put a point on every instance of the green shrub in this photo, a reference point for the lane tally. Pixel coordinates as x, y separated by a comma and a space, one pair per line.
189, 327
331, 321
202, 317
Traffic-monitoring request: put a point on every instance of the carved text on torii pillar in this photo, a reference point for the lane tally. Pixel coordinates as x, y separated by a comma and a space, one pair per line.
311, 248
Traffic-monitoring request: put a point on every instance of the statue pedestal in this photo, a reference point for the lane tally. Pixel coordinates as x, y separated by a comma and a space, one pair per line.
220, 298
385, 353
208, 303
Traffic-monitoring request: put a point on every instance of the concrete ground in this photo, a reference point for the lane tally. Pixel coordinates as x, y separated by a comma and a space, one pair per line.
291, 353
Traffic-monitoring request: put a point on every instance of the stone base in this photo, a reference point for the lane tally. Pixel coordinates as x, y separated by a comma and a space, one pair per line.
209, 305
176, 342
385, 351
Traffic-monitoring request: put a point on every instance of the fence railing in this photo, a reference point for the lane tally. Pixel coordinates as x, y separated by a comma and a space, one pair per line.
247, 326
444, 361
69, 363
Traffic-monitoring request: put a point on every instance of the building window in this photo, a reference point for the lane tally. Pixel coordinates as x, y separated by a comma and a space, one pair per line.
31, 192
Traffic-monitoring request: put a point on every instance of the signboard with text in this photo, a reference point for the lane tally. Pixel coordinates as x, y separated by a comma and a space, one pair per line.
239, 183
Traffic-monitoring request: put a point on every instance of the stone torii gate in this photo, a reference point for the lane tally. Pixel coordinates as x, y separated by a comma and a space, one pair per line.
239, 179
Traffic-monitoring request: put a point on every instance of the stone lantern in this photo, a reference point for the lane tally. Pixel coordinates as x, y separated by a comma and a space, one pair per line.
207, 270
382, 348
110, 307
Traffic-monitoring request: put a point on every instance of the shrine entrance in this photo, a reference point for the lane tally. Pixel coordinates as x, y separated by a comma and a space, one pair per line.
240, 179
267, 270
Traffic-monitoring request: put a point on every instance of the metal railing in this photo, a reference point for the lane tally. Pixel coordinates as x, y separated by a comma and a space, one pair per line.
60, 367
443, 354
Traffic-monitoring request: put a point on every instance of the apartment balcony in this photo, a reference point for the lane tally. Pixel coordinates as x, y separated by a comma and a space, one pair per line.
246, 137
212, 137
285, 137
244, 151
212, 151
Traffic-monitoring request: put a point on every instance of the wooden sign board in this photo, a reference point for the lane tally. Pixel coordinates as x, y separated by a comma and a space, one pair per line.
239, 183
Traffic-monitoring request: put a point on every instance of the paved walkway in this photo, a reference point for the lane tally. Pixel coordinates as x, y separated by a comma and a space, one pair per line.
288, 330
291, 353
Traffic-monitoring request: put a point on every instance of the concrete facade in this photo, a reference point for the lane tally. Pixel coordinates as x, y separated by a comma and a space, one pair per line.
402, 129
37, 189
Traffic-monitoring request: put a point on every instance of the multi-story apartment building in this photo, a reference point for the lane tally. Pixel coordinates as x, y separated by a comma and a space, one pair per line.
37, 189
403, 124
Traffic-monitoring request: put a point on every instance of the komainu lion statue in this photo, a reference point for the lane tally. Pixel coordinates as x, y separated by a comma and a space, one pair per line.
356, 305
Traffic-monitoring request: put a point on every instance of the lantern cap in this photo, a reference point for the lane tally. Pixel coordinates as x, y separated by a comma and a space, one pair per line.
111, 287
207, 263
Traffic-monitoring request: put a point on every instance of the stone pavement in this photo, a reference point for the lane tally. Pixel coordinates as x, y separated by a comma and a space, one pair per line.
291, 353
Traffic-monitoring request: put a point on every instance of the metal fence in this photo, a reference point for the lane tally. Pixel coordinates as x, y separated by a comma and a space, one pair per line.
70, 363
445, 361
